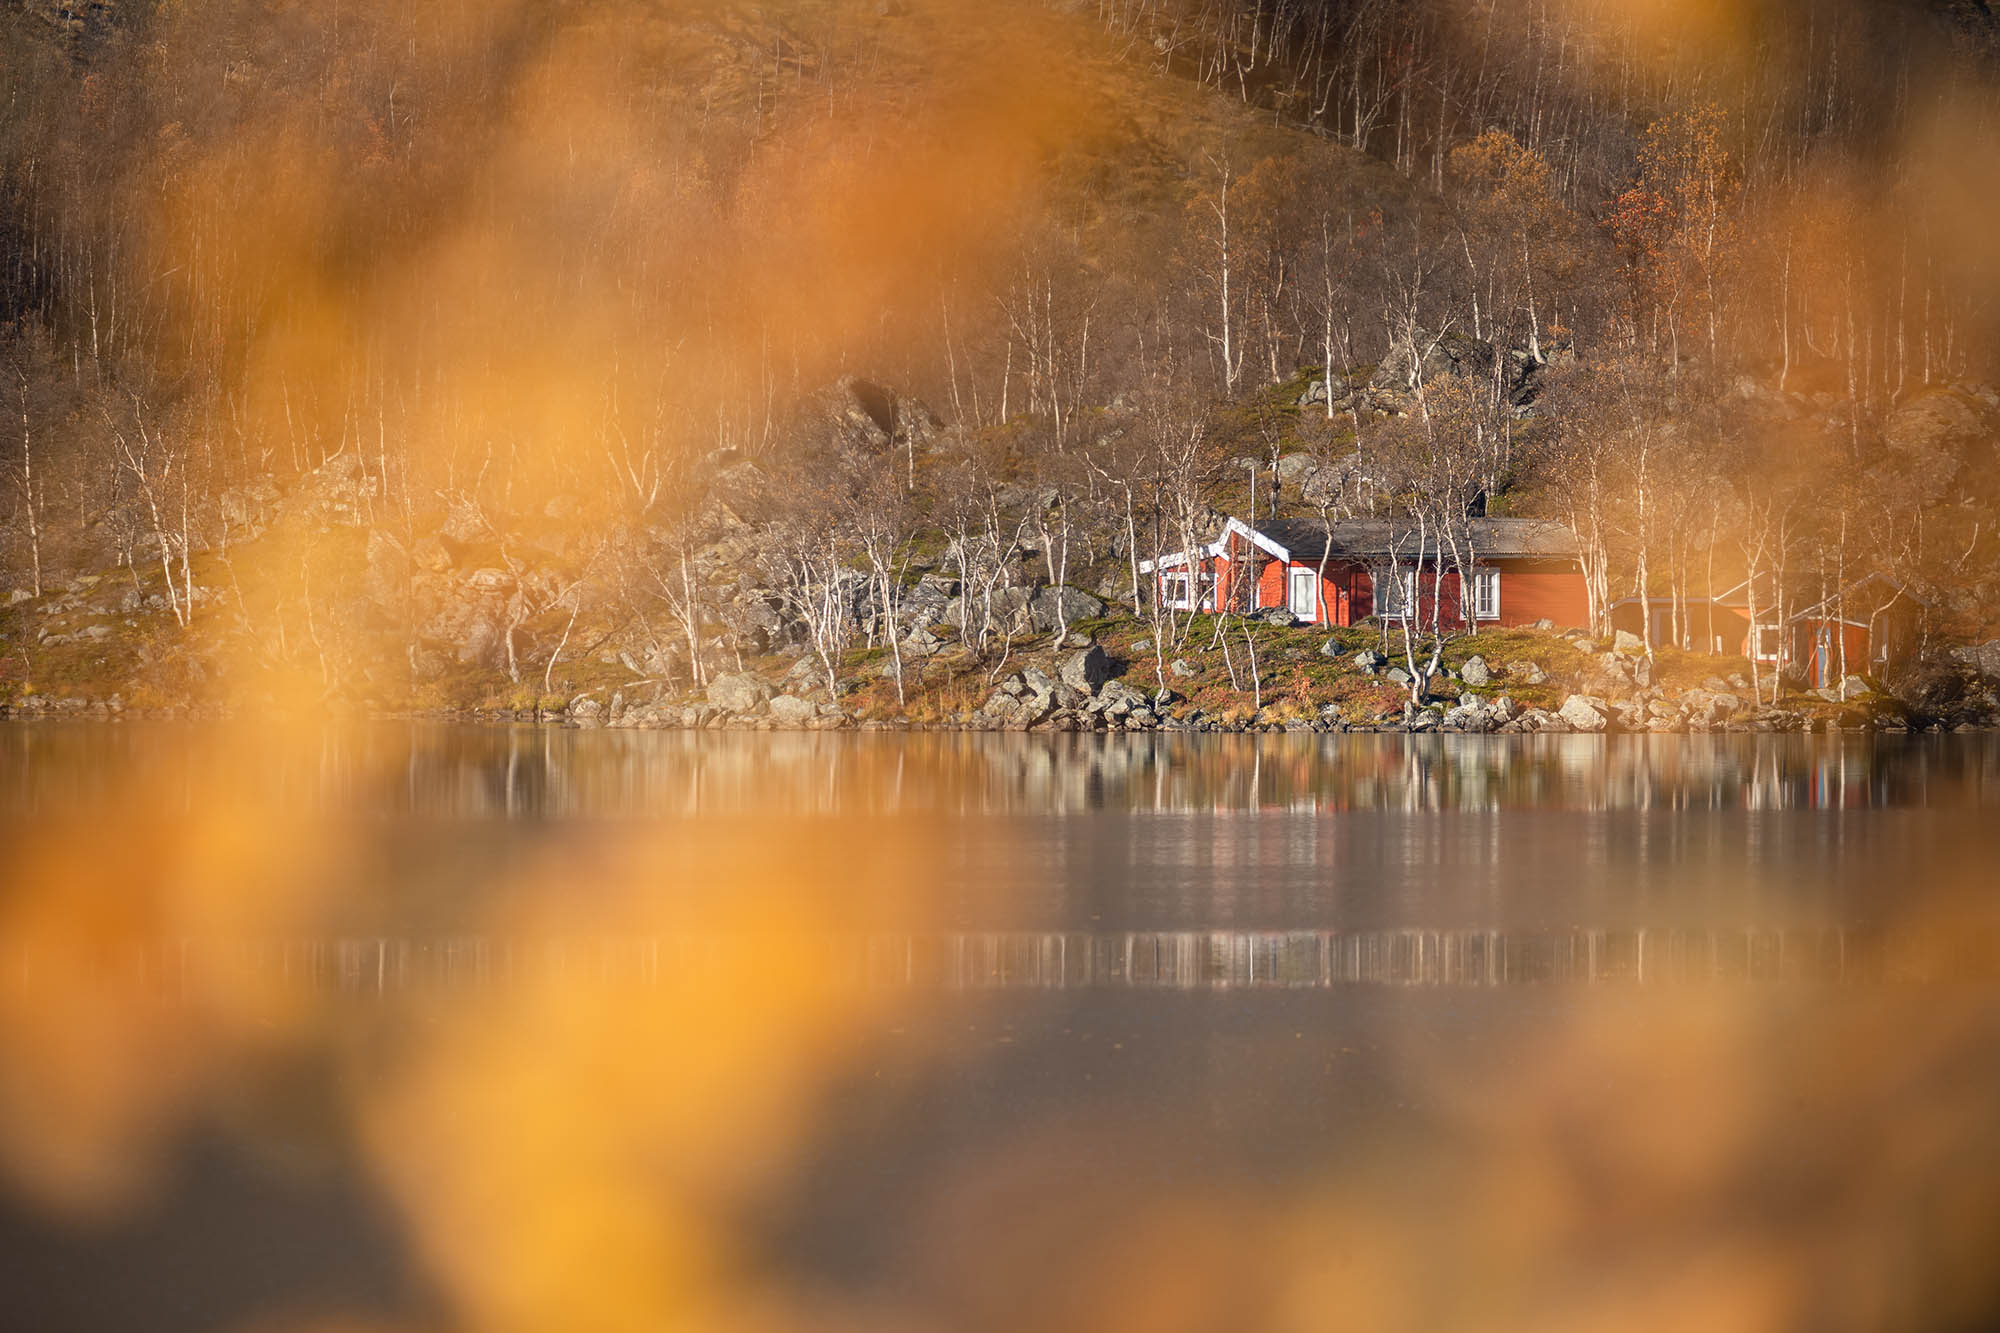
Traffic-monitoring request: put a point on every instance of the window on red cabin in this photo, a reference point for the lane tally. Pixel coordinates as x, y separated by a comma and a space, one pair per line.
1486, 594
1395, 592
1304, 603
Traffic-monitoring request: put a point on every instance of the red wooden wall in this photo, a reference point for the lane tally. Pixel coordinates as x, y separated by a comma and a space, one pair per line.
1532, 590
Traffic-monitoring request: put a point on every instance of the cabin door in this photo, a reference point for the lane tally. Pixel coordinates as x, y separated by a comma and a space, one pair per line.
1305, 583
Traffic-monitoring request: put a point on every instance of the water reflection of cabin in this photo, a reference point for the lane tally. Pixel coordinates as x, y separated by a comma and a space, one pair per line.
1864, 628
1523, 570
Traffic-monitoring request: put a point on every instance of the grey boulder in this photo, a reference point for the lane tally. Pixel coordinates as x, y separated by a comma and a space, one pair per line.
1050, 607
1584, 712
1086, 669
792, 711
737, 692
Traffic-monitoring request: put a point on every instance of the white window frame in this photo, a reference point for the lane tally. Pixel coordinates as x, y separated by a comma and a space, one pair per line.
1296, 578
1395, 592
1777, 636
1176, 590
1485, 588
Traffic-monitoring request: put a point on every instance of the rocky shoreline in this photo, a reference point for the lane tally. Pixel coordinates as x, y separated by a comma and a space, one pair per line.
1082, 692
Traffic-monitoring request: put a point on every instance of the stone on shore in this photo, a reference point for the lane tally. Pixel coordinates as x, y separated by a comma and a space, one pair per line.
738, 692
1086, 669
789, 710
1584, 712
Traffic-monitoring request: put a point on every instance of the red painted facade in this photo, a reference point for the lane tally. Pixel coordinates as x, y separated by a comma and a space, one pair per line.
1818, 651
1811, 645
1530, 589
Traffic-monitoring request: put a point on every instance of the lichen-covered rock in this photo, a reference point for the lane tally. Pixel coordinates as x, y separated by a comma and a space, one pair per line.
464, 523
337, 493
1934, 433
1117, 699
791, 711
431, 554
1468, 717
1086, 669
1983, 658
1584, 712
489, 580
1296, 467
738, 692
1050, 607
470, 626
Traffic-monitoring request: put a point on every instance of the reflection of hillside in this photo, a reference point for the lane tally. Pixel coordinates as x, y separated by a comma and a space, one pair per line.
625, 774
1081, 960
471, 772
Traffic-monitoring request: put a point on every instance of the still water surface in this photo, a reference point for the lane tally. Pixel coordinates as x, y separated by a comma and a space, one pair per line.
493, 1028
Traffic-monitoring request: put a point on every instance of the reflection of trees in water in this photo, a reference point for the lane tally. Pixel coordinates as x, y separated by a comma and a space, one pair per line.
1082, 960
553, 1049
510, 772
554, 773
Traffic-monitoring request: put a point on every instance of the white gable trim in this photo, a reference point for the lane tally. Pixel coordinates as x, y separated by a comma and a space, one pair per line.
1219, 547
1255, 538
1175, 559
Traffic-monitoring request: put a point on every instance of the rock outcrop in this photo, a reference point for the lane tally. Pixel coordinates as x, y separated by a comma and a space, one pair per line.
1583, 712
738, 692
1086, 669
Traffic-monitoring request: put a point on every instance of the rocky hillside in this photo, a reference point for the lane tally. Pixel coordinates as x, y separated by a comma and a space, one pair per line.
372, 356
516, 617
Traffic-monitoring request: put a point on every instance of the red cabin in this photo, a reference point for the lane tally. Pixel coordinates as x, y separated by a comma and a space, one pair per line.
1522, 570
1862, 629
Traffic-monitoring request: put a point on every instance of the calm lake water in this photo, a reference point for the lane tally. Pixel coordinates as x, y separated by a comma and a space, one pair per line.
450, 1027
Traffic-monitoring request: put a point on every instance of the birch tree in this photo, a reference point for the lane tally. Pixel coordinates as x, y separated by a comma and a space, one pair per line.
1214, 250
1430, 466
158, 466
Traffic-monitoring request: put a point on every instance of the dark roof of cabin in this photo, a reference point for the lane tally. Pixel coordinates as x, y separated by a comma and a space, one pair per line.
1492, 538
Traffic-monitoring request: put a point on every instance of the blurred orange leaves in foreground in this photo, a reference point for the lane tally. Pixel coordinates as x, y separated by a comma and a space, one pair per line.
577, 1150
